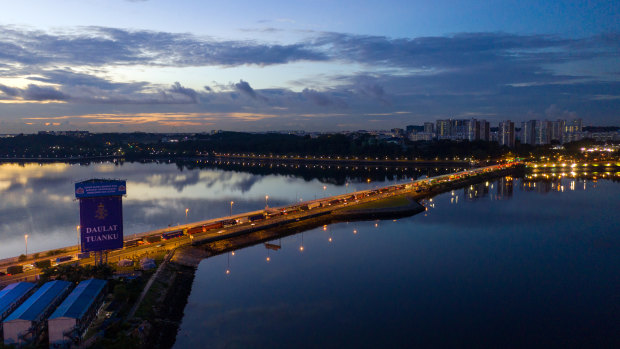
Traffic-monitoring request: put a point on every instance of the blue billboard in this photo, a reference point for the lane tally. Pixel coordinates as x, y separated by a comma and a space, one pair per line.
101, 223
100, 187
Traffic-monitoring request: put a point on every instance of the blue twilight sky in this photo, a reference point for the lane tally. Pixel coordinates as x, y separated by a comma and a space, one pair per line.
177, 66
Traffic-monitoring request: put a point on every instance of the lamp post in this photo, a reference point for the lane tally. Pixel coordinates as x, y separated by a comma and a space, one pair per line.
186, 213
266, 198
231, 203
77, 228
26, 238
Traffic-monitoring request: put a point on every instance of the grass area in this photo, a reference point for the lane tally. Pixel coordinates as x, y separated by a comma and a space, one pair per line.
395, 201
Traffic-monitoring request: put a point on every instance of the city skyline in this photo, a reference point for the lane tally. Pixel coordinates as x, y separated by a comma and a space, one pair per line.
157, 67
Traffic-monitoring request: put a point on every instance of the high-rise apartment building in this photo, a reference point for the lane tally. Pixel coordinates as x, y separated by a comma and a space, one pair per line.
429, 127
557, 130
443, 129
485, 130
575, 125
506, 133
527, 132
542, 132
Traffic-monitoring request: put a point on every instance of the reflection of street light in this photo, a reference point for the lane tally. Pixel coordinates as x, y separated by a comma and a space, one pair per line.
231, 203
228, 263
26, 238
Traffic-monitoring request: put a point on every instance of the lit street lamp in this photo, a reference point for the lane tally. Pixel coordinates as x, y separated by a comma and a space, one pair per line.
266, 198
26, 238
231, 203
186, 212
77, 228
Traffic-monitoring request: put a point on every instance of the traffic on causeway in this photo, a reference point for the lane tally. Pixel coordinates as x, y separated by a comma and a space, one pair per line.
207, 231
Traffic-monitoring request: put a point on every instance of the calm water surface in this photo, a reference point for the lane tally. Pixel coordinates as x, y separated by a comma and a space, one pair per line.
39, 200
501, 264
504, 264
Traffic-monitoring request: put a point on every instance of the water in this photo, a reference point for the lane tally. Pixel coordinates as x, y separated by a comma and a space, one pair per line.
508, 263
39, 200
502, 264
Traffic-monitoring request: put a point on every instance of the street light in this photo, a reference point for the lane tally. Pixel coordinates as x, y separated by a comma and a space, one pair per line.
77, 228
266, 198
231, 203
26, 238
186, 212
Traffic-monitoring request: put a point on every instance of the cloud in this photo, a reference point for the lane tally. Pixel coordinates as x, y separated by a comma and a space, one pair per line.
99, 45
553, 112
192, 94
372, 89
245, 89
500, 74
35, 93
323, 99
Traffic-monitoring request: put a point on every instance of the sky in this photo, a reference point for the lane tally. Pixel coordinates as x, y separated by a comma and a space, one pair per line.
196, 66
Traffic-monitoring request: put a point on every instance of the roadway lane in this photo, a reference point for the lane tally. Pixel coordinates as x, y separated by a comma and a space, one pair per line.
416, 188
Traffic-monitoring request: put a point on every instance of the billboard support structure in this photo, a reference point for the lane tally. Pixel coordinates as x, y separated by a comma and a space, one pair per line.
101, 216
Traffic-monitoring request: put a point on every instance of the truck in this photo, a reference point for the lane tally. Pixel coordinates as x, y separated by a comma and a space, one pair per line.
242, 220
133, 242
228, 222
172, 234
153, 239
215, 225
15, 269
314, 205
256, 217
46, 263
197, 229
63, 259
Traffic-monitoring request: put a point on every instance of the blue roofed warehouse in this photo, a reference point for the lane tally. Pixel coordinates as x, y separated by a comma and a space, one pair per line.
27, 322
73, 316
12, 296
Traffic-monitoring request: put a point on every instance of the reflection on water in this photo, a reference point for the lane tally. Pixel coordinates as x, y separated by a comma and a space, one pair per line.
38, 199
502, 267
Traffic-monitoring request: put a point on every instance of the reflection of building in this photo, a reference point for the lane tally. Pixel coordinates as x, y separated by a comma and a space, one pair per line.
542, 186
504, 188
476, 191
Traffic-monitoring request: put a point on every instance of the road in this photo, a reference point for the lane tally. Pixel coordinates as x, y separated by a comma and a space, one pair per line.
276, 216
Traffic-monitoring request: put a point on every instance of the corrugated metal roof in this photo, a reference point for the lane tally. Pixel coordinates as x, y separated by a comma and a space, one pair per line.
36, 304
78, 302
12, 293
